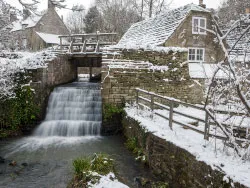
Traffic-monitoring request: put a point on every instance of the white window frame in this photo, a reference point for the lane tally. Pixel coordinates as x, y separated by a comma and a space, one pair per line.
199, 26
196, 50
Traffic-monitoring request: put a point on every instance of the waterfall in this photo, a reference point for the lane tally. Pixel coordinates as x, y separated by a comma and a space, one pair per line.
73, 110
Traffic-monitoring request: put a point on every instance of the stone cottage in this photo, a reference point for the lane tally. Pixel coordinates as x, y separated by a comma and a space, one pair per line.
38, 32
182, 27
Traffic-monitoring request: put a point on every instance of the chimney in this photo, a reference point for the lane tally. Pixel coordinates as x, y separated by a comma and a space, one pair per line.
201, 4
51, 5
248, 10
62, 17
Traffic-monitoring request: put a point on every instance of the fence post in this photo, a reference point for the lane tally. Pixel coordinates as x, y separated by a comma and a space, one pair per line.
137, 100
207, 127
61, 48
171, 113
152, 106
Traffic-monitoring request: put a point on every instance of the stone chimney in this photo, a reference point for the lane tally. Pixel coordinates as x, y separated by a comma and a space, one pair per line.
248, 10
202, 4
51, 5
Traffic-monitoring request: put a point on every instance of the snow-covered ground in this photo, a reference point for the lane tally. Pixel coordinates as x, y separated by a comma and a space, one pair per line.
14, 62
218, 158
108, 181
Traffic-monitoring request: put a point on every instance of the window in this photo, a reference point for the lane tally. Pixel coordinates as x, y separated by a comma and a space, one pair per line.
196, 54
199, 25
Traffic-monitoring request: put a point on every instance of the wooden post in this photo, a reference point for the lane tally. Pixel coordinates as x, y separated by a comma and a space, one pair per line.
61, 44
152, 105
90, 72
84, 47
97, 47
207, 127
171, 113
137, 100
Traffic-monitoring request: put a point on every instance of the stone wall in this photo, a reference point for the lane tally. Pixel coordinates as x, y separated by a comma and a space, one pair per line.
173, 164
183, 37
59, 71
175, 82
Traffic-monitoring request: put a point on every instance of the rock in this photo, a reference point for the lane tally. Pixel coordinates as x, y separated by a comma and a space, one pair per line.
13, 163
2, 160
24, 164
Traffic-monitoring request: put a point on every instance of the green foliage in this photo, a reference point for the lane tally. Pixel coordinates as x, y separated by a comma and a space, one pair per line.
87, 168
15, 113
111, 111
160, 185
133, 145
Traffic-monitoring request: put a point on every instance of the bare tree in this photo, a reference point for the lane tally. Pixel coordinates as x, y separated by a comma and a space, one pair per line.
31, 5
75, 19
232, 93
118, 15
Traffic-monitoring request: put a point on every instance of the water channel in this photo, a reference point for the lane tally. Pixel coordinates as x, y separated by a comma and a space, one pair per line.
70, 130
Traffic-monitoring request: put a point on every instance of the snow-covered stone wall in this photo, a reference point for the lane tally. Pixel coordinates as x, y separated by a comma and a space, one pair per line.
173, 164
166, 74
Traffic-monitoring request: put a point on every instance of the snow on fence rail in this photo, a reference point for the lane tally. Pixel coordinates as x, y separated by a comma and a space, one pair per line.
86, 43
150, 97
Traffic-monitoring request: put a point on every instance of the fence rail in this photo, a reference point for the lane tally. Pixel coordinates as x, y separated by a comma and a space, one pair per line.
150, 99
86, 43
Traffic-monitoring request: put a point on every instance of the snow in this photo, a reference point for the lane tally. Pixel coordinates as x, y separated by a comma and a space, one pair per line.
14, 62
227, 161
31, 21
156, 31
241, 50
50, 38
204, 70
108, 181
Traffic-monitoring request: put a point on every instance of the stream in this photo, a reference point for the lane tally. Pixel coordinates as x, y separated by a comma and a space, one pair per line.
70, 130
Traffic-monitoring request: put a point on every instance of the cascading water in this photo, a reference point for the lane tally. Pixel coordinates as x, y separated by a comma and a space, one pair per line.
73, 110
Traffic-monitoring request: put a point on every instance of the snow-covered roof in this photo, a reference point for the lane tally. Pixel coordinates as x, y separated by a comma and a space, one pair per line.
31, 21
204, 71
50, 38
155, 31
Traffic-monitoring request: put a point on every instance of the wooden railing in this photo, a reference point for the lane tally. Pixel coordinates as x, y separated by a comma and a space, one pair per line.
149, 100
86, 43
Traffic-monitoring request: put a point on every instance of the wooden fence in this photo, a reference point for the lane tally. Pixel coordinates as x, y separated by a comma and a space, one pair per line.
148, 99
86, 43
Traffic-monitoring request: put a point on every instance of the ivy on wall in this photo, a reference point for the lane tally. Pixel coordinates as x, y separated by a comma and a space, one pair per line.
20, 111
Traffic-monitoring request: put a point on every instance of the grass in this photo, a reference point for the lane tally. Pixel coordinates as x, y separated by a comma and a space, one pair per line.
89, 169
132, 145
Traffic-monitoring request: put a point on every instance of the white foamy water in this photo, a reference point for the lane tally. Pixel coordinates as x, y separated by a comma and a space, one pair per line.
73, 111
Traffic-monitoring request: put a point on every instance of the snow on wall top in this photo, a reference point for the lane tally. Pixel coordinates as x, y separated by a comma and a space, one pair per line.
50, 38
155, 31
205, 71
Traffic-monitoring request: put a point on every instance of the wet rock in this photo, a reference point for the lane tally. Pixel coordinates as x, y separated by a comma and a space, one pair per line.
24, 164
13, 163
2, 160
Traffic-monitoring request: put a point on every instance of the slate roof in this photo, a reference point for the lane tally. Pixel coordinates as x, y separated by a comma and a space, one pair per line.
155, 31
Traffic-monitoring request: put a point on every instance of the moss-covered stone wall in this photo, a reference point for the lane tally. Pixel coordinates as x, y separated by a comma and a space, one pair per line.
173, 164
175, 82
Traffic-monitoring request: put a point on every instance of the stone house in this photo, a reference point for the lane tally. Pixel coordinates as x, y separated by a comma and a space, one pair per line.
185, 27
38, 32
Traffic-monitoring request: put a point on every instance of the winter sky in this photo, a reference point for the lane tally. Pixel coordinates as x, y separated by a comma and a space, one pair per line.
87, 3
